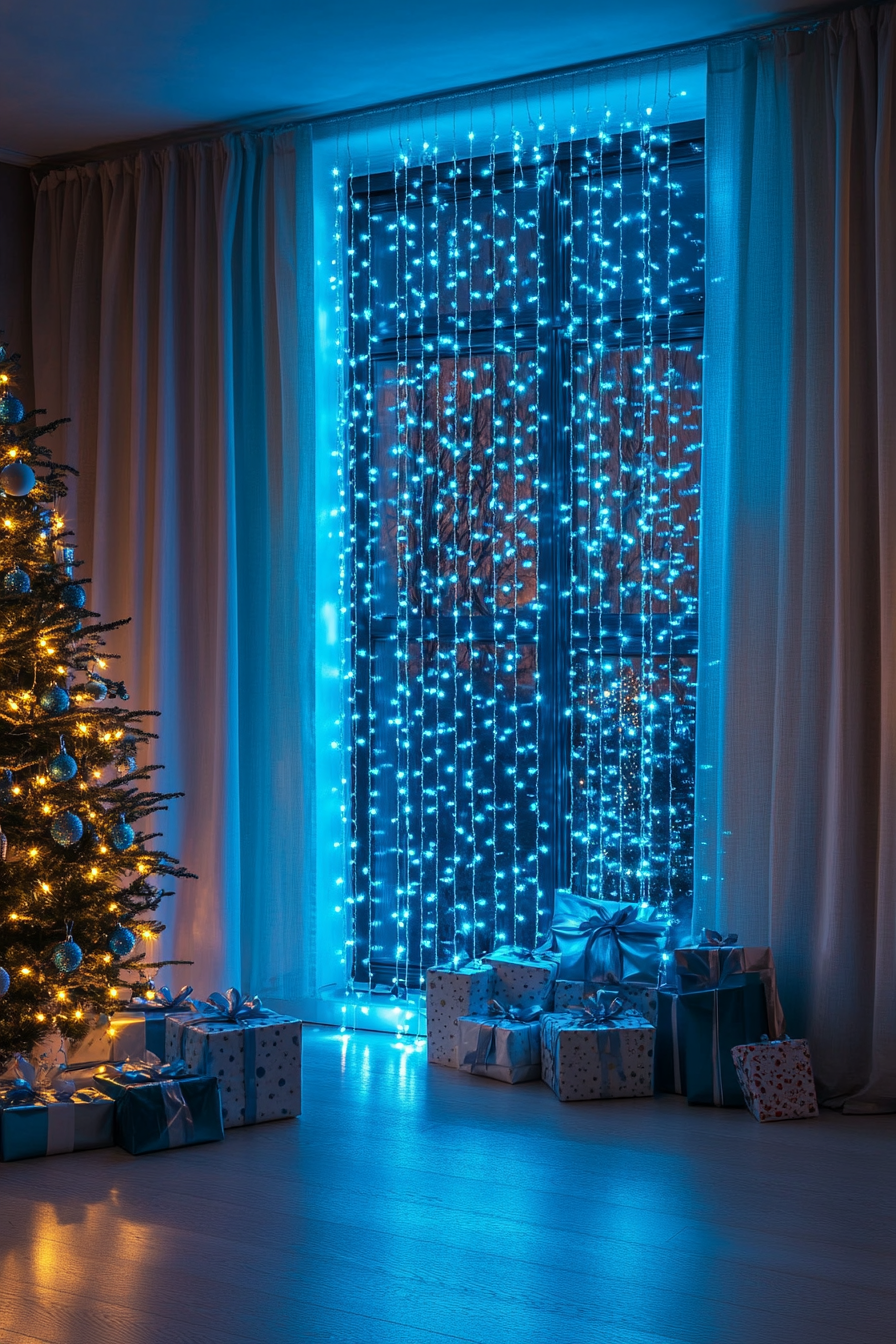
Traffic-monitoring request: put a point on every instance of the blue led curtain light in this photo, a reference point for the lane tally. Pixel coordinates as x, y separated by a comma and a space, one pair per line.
520, 435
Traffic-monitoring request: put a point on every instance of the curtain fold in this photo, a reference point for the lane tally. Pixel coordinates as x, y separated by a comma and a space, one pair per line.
796, 730
173, 322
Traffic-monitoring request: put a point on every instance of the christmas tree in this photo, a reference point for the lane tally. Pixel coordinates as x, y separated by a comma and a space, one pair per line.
77, 896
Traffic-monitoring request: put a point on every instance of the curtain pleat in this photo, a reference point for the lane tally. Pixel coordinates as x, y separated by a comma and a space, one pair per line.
796, 734
173, 323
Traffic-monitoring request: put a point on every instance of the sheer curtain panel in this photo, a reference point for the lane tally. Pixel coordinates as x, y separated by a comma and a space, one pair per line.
173, 323
796, 734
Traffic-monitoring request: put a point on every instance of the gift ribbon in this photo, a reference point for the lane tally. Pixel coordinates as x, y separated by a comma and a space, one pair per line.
621, 924
163, 1000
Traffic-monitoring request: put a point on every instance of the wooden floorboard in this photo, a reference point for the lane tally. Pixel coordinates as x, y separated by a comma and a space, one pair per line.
416, 1205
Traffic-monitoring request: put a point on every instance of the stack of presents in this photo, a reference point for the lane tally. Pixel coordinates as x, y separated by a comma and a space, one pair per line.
168, 1072
605, 1010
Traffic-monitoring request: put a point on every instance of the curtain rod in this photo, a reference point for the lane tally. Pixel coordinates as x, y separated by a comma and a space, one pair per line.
289, 117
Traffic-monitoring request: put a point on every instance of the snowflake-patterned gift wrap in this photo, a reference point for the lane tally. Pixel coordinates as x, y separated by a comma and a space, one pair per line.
500, 1048
257, 1062
777, 1079
524, 979
451, 993
585, 1061
638, 999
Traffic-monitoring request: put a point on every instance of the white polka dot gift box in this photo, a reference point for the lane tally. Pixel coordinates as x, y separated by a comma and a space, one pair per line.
600, 1053
255, 1054
777, 1079
524, 979
453, 992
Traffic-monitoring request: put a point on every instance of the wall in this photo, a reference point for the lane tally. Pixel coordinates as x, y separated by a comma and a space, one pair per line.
16, 237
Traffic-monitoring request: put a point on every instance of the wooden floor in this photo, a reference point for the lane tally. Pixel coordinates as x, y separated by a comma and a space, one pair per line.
415, 1205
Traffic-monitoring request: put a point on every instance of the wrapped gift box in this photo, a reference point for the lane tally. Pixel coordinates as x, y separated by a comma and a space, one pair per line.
111, 1039
160, 1106
156, 1005
607, 940
452, 993
706, 965
505, 1048
43, 1113
670, 1075
776, 1079
714, 1021
256, 1059
523, 979
583, 1059
639, 999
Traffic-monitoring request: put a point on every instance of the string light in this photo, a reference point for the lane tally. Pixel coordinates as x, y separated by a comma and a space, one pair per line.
519, 365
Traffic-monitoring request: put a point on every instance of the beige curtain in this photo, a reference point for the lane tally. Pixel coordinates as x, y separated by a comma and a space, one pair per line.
172, 322
796, 780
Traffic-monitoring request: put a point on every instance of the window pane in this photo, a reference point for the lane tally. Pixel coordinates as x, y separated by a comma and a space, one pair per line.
438, 250
633, 768
636, 476
455, 484
450, 785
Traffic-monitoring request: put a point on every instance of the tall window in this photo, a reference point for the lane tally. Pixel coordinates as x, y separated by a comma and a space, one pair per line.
522, 418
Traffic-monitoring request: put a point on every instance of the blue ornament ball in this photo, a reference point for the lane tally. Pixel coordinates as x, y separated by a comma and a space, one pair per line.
17, 479
11, 409
63, 767
121, 941
67, 829
121, 835
6, 794
96, 690
67, 956
4, 981
16, 581
54, 700
72, 595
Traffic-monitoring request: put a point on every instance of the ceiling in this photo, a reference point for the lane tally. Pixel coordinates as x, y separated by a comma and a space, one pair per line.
83, 73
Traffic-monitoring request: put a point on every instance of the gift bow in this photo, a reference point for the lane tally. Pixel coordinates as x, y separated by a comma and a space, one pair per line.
625, 922
523, 953
24, 1084
711, 938
162, 998
598, 1013
231, 1007
498, 1013
144, 1069
709, 971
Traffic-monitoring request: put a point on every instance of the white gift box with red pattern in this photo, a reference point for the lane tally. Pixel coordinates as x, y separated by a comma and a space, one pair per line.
777, 1079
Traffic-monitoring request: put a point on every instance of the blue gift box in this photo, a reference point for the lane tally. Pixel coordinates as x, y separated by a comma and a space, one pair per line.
671, 1053
714, 1021
47, 1126
161, 1107
606, 941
